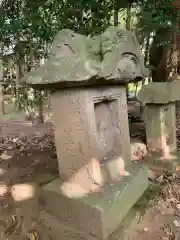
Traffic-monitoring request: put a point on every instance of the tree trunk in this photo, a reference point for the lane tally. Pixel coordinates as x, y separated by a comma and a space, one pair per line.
40, 117
49, 99
38, 97
116, 17
19, 68
159, 55
18, 77
128, 26
40, 108
2, 110
162, 55
146, 55
128, 19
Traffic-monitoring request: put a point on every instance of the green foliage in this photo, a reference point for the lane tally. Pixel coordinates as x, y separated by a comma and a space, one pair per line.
29, 25
28, 28
157, 15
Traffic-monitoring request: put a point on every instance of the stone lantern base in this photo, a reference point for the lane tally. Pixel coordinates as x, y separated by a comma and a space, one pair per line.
98, 215
160, 123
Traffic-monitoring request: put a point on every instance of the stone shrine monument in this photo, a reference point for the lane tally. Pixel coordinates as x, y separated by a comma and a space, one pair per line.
98, 183
160, 121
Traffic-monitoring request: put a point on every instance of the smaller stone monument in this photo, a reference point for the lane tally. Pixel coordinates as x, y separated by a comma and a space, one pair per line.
160, 121
98, 183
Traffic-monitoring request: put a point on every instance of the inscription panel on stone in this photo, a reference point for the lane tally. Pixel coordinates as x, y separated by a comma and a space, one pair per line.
107, 127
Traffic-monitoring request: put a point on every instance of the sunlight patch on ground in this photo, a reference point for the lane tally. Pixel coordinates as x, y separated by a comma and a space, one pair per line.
22, 192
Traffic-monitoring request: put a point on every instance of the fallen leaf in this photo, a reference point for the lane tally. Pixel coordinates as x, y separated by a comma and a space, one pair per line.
177, 169
3, 190
4, 156
33, 235
153, 175
178, 206
176, 223
172, 200
160, 179
15, 140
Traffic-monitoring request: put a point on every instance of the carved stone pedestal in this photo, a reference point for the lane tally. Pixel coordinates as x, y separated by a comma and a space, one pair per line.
93, 148
160, 122
91, 126
98, 214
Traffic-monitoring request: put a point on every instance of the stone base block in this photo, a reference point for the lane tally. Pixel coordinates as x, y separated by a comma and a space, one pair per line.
98, 214
50, 227
56, 230
169, 163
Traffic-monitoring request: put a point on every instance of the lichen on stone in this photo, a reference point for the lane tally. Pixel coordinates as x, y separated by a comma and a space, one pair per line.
74, 60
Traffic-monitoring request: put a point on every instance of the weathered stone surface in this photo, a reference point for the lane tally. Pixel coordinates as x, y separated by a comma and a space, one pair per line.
91, 126
160, 126
50, 227
97, 214
160, 122
113, 56
168, 164
56, 229
91, 129
160, 93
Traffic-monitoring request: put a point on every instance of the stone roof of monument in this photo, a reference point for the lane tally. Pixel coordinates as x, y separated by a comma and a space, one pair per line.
75, 60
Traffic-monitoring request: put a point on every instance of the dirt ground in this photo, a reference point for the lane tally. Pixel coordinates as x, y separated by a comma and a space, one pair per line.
162, 217
25, 149
27, 153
